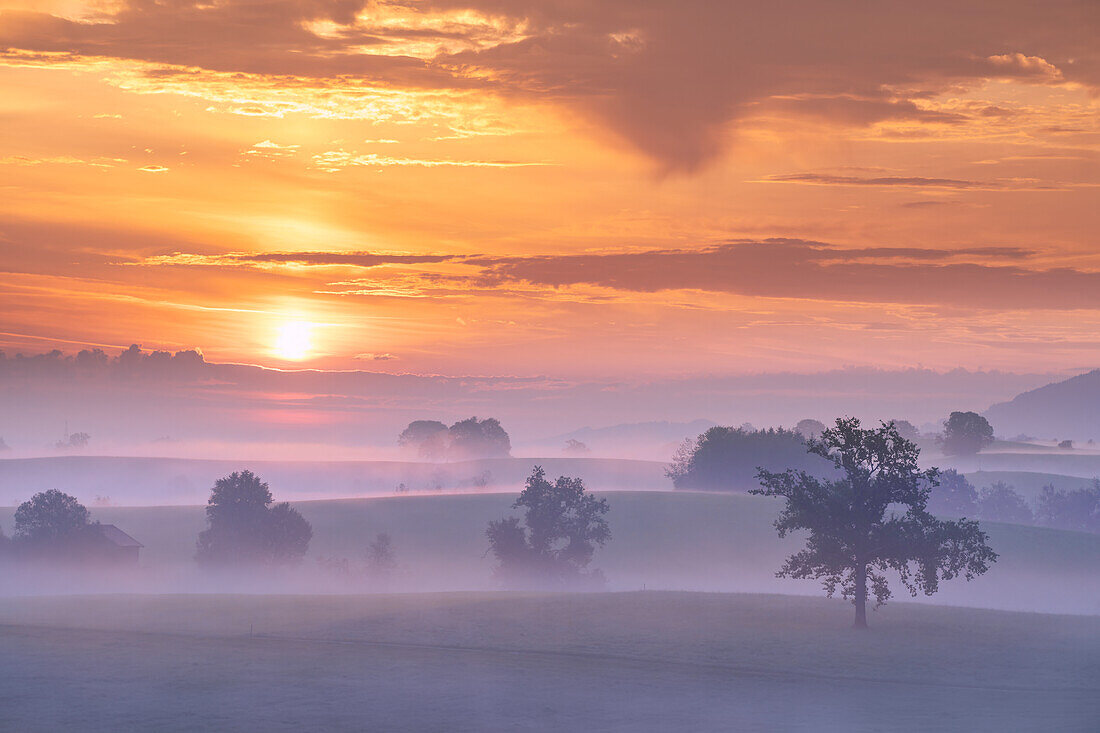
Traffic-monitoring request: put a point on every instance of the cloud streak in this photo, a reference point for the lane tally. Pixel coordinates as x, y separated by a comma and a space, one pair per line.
795, 269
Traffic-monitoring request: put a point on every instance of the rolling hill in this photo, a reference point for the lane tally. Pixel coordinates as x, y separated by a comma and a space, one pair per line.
1066, 409
157, 481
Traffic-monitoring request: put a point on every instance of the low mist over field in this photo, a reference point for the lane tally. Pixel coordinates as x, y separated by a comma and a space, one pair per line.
615, 367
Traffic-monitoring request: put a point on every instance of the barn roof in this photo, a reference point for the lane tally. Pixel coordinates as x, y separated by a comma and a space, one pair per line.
117, 537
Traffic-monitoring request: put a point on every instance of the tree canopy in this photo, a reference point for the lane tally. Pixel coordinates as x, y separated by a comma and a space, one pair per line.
1000, 502
49, 516
53, 525
244, 526
855, 533
427, 437
966, 433
727, 458
1075, 510
953, 495
561, 528
473, 438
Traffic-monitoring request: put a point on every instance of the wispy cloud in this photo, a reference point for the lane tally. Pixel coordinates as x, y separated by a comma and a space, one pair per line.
336, 160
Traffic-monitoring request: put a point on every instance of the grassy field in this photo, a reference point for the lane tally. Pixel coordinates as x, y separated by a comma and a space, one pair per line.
493, 661
661, 540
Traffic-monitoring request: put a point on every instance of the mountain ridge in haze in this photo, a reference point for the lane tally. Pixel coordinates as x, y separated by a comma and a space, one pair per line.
1068, 409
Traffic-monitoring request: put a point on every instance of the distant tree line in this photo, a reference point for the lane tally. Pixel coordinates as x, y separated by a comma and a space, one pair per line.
431, 440
1076, 509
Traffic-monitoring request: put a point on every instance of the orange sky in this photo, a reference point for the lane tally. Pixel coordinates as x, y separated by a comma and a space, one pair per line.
577, 189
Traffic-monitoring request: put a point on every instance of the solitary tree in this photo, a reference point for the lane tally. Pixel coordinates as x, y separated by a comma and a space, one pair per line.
244, 527
852, 540
50, 516
381, 559
52, 525
966, 433
562, 526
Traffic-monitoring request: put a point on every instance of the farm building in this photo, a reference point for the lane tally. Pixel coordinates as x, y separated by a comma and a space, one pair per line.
116, 546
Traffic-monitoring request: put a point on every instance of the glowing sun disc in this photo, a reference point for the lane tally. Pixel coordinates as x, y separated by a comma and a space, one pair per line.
293, 342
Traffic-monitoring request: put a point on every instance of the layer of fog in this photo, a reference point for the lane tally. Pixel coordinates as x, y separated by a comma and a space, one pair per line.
668, 541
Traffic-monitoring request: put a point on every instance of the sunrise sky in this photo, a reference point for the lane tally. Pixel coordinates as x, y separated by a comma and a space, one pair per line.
568, 188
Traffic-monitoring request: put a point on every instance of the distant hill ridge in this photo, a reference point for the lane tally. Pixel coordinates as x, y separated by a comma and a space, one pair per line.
1067, 409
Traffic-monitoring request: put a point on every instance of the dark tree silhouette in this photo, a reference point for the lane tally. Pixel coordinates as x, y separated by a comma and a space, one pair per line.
852, 540
52, 524
953, 495
561, 528
381, 559
473, 438
49, 516
966, 433
466, 439
809, 428
726, 459
244, 527
906, 429
1077, 510
999, 502
75, 441
575, 447
428, 438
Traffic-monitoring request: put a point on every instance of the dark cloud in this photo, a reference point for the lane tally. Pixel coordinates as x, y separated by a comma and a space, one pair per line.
786, 268
670, 79
823, 179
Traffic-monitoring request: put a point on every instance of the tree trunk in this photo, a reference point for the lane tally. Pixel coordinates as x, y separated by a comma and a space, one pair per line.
861, 596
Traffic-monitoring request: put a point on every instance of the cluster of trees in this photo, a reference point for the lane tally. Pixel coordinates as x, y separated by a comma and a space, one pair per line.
468, 439
245, 527
129, 363
855, 531
73, 441
728, 458
554, 542
574, 447
1078, 509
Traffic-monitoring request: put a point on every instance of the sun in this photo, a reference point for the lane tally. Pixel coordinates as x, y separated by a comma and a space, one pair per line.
293, 342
